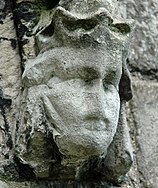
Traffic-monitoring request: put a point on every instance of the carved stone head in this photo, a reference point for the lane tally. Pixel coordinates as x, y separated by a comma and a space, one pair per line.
75, 92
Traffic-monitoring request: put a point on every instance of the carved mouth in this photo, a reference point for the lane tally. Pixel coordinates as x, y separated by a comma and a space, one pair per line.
96, 123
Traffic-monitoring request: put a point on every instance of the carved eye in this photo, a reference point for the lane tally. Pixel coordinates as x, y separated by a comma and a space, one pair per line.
121, 28
109, 78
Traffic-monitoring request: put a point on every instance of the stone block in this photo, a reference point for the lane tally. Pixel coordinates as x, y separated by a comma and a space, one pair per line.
145, 111
144, 50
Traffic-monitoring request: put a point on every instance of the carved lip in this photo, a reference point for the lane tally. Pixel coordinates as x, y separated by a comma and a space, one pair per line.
96, 123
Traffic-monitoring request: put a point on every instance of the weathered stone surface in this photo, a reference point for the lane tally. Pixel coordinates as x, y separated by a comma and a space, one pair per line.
73, 119
10, 78
31, 17
3, 184
26, 15
57, 184
143, 64
31, 22
144, 54
61, 184
145, 110
12, 184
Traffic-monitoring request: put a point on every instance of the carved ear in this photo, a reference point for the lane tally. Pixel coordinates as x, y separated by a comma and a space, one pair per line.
125, 89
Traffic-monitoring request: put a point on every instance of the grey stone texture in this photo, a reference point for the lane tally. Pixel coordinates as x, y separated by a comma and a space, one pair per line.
144, 53
55, 184
145, 110
10, 84
144, 107
142, 110
74, 95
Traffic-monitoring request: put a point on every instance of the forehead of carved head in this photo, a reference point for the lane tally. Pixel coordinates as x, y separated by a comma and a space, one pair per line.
89, 6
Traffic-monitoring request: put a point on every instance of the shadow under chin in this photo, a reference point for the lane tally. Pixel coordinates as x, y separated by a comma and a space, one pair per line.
96, 169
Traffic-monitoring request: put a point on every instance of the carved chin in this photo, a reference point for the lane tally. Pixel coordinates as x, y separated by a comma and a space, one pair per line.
85, 143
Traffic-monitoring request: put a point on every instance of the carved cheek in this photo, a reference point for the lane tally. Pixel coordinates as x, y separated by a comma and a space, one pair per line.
112, 104
66, 98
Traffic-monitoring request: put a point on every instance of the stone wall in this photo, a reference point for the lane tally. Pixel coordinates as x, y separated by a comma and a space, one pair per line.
17, 21
10, 82
144, 69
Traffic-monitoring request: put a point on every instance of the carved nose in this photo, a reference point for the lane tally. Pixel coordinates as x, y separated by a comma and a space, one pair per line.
94, 98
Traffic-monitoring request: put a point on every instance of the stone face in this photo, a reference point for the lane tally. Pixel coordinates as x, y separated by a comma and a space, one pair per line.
76, 86
72, 120
145, 110
36, 30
